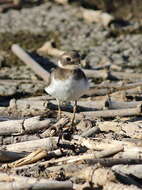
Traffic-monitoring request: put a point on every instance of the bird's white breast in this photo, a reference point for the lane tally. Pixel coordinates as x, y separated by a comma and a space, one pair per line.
67, 90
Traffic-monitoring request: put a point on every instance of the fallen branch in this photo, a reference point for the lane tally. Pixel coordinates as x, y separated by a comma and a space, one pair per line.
29, 146
14, 182
101, 144
17, 50
107, 113
109, 88
23, 126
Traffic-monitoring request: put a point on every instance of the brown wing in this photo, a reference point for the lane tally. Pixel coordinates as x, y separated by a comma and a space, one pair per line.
78, 74
63, 74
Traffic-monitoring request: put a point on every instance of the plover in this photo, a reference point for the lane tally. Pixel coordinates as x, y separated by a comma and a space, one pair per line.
68, 82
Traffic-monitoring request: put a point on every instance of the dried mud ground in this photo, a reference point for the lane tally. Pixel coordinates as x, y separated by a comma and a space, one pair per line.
22, 96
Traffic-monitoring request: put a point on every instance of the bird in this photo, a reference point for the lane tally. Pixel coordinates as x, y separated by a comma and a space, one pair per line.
67, 81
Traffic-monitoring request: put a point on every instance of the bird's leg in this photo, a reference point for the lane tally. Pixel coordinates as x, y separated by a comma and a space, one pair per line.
59, 109
74, 111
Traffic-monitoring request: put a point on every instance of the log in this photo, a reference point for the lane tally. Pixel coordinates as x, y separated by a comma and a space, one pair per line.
19, 127
14, 182
29, 146
110, 88
106, 113
101, 144
130, 153
114, 113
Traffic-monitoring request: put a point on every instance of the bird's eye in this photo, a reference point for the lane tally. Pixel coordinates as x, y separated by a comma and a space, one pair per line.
68, 59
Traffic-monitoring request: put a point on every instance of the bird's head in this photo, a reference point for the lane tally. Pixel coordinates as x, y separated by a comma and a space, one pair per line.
70, 60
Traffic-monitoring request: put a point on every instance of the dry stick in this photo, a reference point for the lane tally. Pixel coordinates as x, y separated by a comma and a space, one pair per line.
114, 113
29, 146
130, 153
29, 104
17, 50
125, 75
104, 89
101, 144
108, 113
14, 182
23, 126
113, 74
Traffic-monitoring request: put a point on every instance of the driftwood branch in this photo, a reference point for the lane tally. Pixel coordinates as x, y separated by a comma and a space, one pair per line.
101, 144
29, 146
17, 50
14, 182
16, 127
107, 113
